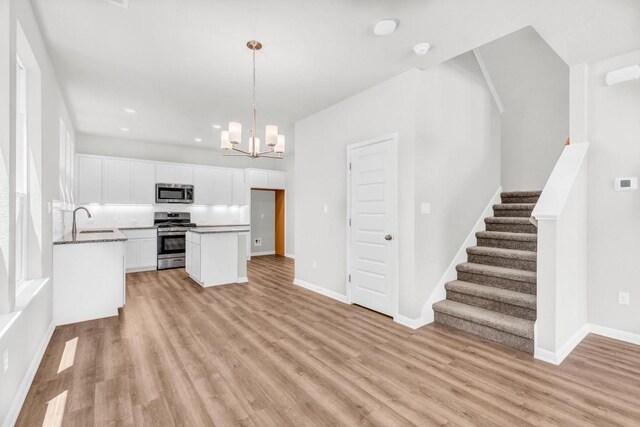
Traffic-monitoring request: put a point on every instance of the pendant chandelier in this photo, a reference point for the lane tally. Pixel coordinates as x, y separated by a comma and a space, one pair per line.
230, 139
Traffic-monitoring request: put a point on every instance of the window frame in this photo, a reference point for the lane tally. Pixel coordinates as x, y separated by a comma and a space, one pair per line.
22, 176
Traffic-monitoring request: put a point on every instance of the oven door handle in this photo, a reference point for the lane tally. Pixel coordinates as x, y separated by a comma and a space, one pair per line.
172, 233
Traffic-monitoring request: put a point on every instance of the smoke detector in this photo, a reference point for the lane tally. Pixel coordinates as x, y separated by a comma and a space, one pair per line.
385, 27
421, 49
122, 3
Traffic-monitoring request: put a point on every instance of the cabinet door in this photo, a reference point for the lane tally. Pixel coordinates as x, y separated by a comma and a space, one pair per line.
117, 181
132, 254
143, 183
258, 179
188, 256
89, 176
195, 261
222, 186
148, 252
239, 191
276, 180
203, 183
171, 174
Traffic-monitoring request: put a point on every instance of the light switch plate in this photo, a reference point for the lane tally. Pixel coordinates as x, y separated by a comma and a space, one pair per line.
5, 360
425, 208
627, 183
326, 208
623, 298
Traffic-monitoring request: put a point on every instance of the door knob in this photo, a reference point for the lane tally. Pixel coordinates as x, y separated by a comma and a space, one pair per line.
388, 237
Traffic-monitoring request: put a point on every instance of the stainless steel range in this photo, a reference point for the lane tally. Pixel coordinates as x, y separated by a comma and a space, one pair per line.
172, 229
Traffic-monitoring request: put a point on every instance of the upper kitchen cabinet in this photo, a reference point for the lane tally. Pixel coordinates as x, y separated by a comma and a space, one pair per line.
143, 183
117, 181
239, 192
203, 186
223, 186
128, 182
174, 174
272, 180
89, 180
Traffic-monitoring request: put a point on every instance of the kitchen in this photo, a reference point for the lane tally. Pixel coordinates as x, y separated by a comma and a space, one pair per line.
141, 215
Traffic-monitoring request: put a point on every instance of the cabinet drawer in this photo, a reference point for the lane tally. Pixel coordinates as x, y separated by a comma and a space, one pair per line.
146, 233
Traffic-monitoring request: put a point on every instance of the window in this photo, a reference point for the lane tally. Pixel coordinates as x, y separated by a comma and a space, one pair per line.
22, 185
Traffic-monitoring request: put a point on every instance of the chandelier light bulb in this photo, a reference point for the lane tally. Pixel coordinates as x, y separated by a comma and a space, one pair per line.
271, 135
235, 132
225, 144
279, 148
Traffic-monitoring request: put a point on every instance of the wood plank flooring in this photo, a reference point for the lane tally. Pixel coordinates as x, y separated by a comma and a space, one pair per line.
272, 354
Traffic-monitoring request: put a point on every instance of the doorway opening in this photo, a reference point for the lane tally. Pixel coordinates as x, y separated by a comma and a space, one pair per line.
267, 222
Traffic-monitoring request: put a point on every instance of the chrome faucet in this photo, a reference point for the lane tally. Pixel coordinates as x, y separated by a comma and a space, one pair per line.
74, 229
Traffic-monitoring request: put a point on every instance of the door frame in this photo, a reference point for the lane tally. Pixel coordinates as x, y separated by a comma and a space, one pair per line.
393, 137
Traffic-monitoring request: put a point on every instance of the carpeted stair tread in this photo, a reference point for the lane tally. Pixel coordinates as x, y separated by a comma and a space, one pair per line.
514, 207
495, 294
500, 272
502, 253
513, 194
507, 220
502, 322
505, 235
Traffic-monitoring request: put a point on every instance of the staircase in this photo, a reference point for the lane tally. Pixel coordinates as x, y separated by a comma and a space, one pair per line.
495, 294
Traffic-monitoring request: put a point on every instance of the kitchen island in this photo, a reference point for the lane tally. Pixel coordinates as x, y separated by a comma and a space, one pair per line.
88, 275
217, 255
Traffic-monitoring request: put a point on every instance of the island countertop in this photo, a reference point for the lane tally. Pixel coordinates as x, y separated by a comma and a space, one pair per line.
102, 235
220, 229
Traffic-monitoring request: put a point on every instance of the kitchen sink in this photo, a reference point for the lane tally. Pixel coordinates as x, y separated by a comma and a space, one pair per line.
95, 231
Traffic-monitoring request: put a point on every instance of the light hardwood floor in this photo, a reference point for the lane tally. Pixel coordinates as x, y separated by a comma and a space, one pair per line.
273, 354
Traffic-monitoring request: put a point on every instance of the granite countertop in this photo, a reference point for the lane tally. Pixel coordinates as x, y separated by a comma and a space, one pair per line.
138, 227
85, 236
220, 229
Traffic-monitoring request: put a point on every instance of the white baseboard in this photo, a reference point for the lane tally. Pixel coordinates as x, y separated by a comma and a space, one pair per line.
616, 334
263, 253
439, 293
556, 358
292, 256
21, 395
409, 322
323, 291
243, 279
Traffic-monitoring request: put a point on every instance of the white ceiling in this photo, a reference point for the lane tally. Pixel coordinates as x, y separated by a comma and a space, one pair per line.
183, 64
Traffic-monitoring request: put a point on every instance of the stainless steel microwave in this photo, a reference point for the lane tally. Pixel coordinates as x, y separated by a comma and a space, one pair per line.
174, 193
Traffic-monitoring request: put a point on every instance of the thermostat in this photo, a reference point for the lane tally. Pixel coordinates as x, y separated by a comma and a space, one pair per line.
627, 184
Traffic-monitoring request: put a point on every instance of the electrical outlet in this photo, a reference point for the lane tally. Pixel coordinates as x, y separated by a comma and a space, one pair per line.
5, 360
315, 264
623, 298
257, 241
425, 208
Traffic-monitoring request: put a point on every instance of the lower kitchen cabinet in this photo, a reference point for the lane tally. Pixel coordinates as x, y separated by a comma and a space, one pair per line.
141, 250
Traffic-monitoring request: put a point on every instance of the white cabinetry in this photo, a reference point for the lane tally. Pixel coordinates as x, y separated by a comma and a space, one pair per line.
141, 250
89, 188
193, 256
203, 186
223, 186
238, 196
272, 180
117, 181
143, 183
217, 258
174, 174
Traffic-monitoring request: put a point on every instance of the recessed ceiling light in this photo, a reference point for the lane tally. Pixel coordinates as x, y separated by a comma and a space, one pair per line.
216, 126
421, 49
129, 110
197, 139
125, 129
385, 27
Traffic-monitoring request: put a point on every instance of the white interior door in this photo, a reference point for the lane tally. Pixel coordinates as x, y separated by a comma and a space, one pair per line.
372, 210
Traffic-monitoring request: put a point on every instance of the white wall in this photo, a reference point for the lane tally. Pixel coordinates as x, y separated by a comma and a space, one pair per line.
457, 166
33, 319
614, 217
533, 84
449, 155
320, 177
263, 221
98, 145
